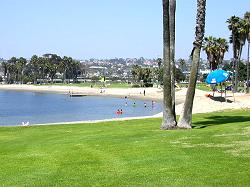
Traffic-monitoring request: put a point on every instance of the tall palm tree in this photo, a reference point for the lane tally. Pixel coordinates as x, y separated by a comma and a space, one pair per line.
172, 9
185, 120
238, 28
215, 49
209, 46
242, 32
168, 121
223, 48
247, 18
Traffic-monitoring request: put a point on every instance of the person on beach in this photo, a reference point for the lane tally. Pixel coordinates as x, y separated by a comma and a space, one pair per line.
145, 105
144, 92
134, 104
121, 111
118, 112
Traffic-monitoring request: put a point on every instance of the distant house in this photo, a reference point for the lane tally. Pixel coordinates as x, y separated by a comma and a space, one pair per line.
97, 71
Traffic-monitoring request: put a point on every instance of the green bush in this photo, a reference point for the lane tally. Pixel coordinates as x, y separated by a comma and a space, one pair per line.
136, 86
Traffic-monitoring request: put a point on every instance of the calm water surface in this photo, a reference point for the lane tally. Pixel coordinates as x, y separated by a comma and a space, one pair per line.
37, 108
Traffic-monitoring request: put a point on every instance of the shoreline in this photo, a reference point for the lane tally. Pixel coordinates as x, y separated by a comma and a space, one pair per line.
133, 93
202, 104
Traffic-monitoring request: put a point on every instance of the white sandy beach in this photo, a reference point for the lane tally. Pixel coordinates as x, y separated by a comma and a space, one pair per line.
202, 104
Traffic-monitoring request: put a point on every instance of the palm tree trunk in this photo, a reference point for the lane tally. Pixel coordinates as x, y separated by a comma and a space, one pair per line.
234, 62
168, 121
172, 50
236, 74
247, 91
185, 120
237, 69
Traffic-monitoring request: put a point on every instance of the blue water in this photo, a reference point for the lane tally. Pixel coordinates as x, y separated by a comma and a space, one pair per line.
37, 108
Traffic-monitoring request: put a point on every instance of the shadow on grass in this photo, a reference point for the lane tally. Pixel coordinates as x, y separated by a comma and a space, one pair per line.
220, 120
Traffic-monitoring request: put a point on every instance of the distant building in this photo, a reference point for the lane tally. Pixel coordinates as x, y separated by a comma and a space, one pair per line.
207, 71
96, 71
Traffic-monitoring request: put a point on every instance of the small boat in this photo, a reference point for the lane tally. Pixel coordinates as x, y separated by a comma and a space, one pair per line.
77, 95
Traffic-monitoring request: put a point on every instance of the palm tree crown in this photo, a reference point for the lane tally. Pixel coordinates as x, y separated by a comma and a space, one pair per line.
215, 49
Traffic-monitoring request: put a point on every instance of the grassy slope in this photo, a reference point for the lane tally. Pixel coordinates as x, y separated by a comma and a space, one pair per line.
129, 153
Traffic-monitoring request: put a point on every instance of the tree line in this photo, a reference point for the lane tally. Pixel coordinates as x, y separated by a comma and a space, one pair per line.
215, 48
145, 77
40, 69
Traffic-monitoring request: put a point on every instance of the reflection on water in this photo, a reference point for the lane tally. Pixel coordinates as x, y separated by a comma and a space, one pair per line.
18, 107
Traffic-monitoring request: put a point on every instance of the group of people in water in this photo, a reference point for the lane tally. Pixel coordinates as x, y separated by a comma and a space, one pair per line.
120, 111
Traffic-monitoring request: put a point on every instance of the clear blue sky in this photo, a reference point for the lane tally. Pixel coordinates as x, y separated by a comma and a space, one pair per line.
105, 28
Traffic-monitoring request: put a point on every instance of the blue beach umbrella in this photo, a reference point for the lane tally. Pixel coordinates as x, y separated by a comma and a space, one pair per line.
217, 76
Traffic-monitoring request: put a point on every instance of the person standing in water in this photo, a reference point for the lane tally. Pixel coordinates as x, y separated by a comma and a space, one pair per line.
153, 104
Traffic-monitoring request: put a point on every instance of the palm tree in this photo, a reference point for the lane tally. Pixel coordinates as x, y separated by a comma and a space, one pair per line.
21, 62
247, 18
172, 9
34, 61
243, 31
215, 49
182, 63
223, 48
64, 66
239, 28
209, 46
12, 74
168, 121
185, 120
53, 62
42, 62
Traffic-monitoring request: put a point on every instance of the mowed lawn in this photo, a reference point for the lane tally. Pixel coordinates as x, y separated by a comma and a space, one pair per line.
129, 153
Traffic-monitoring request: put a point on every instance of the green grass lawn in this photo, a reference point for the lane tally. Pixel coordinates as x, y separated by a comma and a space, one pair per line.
200, 86
204, 87
216, 152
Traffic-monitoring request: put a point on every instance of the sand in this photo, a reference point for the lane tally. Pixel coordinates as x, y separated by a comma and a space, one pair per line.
202, 104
